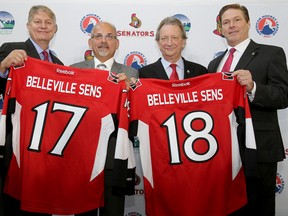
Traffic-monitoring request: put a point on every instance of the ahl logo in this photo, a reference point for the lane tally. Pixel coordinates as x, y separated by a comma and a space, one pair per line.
267, 26
133, 214
185, 21
7, 22
279, 184
135, 59
135, 21
88, 22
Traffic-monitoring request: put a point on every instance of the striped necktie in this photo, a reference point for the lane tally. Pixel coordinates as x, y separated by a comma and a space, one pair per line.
102, 66
45, 55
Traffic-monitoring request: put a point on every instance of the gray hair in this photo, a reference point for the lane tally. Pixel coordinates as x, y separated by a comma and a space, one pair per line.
170, 21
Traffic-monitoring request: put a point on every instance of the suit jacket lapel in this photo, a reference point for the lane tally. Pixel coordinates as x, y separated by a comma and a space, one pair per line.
160, 71
90, 63
187, 73
248, 55
217, 62
116, 68
31, 50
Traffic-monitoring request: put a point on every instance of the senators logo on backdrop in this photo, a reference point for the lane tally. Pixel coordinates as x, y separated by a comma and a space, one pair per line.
267, 26
88, 55
217, 31
7, 23
88, 22
135, 59
135, 22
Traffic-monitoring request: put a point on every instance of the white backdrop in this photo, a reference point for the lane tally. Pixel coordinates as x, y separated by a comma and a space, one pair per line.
138, 42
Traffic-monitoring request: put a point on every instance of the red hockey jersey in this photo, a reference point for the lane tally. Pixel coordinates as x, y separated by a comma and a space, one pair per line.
190, 133
62, 120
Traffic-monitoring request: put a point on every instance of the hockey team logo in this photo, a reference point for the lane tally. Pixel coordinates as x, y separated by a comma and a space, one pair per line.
185, 21
88, 22
267, 26
88, 55
279, 184
133, 214
137, 179
7, 23
133, 86
135, 21
112, 77
135, 59
217, 31
227, 76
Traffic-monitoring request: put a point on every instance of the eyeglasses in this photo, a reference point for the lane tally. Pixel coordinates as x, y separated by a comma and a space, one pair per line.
100, 37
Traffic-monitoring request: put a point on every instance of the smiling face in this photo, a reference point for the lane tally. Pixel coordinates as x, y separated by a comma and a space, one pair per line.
42, 28
103, 41
234, 27
171, 42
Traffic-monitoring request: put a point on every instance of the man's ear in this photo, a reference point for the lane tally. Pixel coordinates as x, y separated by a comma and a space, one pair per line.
56, 28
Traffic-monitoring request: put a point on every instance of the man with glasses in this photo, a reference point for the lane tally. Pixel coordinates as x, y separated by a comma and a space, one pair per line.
104, 43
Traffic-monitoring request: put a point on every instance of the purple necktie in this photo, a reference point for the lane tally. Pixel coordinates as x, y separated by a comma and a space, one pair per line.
46, 56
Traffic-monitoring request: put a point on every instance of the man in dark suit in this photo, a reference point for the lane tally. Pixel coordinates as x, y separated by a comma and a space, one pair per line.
42, 27
171, 39
263, 70
104, 43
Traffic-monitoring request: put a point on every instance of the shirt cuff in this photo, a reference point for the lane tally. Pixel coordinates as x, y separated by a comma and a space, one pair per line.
251, 94
4, 75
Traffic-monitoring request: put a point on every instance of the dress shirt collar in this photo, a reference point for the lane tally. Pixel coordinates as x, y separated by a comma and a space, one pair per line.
168, 69
38, 48
108, 63
241, 46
